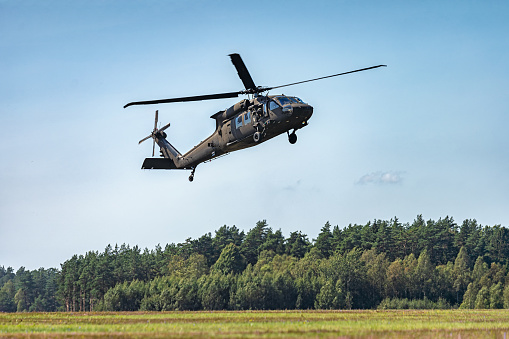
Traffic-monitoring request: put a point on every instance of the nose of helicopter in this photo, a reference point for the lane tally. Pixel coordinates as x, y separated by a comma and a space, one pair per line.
302, 112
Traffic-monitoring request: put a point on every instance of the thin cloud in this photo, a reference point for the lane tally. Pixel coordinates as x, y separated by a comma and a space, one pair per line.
380, 178
292, 187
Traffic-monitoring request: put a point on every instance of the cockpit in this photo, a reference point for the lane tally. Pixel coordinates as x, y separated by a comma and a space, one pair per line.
284, 102
288, 106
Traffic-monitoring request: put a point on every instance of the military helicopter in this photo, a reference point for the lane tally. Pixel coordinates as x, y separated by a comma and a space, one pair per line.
247, 123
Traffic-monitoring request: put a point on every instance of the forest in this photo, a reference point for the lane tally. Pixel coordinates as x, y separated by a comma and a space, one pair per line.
382, 264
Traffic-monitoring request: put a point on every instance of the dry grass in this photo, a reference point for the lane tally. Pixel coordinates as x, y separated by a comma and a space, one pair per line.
255, 324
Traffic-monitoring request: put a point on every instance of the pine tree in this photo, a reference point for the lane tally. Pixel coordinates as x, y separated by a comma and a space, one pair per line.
250, 247
324, 241
297, 244
230, 260
274, 241
226, 235
7, 294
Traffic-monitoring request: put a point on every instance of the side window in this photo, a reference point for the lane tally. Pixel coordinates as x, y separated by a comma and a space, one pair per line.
247, 118
273, 105
238, 121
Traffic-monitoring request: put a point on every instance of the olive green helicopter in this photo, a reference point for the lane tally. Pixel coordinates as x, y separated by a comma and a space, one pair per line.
248, 123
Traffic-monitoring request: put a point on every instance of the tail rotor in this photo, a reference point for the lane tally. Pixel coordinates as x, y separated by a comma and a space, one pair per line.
154, 132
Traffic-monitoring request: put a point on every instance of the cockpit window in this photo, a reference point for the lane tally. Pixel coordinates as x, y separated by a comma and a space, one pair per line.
284, 101
289, 100
273, 105
296, 100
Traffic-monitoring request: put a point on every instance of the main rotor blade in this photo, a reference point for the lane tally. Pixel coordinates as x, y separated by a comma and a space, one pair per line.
184, 99
329, 76
243, 72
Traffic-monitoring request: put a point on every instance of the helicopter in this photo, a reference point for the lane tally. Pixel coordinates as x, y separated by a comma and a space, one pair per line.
248, 123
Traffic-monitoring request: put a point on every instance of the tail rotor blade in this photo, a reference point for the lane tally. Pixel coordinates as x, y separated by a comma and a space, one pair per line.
164, 127
155, 129
142, 140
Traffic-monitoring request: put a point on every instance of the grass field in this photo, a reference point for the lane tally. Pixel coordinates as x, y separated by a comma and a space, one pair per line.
254, 324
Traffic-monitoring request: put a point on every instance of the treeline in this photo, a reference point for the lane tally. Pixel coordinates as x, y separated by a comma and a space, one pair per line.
384, 264
25, 290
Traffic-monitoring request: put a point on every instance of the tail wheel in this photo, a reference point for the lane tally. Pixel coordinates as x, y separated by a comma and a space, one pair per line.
191, 177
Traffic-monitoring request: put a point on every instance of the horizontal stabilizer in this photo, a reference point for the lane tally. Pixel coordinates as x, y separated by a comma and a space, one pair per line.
158, 163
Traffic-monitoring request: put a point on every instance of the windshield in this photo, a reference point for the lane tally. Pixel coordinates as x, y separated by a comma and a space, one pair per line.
284, 101
289, 100
297, 100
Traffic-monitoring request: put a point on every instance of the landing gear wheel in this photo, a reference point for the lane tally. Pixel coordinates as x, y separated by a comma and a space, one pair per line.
257, 136
292, 138
191, 177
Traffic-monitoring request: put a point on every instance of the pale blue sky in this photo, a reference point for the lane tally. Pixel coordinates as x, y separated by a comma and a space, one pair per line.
426, 135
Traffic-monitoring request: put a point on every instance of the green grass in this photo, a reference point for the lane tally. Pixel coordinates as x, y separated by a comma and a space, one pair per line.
271, 324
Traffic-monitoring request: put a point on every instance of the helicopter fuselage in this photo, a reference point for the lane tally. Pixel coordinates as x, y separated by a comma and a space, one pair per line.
245, 124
